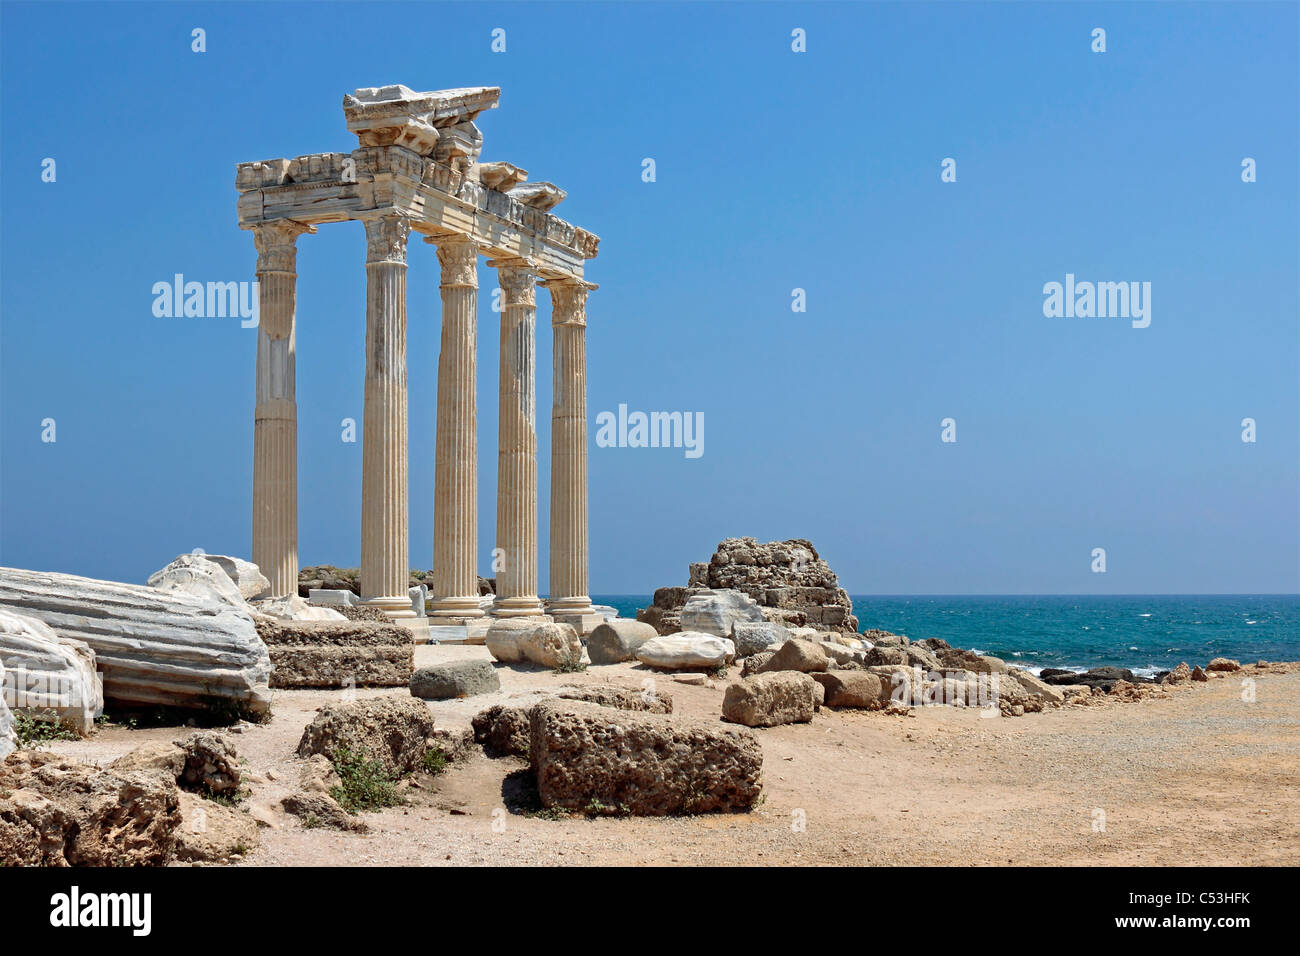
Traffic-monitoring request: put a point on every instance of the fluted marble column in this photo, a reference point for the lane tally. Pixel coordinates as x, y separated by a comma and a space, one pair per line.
385, 568
569, 451
455, 508
517, 444
275, 418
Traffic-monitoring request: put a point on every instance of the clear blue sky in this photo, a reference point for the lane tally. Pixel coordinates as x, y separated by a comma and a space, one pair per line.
776, 170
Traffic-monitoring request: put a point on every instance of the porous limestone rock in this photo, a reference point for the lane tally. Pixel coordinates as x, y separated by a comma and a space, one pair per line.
618, 640
842, 654
686, 649
505, 728
1035, 687
455, 680
717, 612
152, 646
594, 759
56, 812
648, 699
248, 577
391, 730
1223, 664
767, 700
204, 762
887, 655
341, 653
917, 655
211, 832
665, 611
313, 801
1199, 675
901, 684
48, 676
551, 645
1179, 675
955, 658
754, 637
875, 637
211, 764
852, 689
798, 655
753, 664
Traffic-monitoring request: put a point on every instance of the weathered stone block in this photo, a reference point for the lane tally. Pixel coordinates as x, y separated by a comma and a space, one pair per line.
392, 730
594, 759
337, 653
618, 640
767, 700
798, 655
454, 680
852, 689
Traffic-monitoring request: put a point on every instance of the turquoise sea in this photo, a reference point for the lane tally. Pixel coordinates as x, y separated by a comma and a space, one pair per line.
1145, 633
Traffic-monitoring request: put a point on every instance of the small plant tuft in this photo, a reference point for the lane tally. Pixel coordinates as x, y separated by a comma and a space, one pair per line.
571, 665
434, 761
367, 784
39, 728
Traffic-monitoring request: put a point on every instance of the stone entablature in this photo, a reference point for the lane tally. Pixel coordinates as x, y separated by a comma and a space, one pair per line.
441, 195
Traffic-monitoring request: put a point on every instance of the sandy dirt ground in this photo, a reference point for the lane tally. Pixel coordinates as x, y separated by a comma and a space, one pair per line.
1201, 778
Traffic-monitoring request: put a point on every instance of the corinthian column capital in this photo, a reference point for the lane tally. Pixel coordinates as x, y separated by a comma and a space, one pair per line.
277, 244
459, 259
568, 300
517, 279
386, 236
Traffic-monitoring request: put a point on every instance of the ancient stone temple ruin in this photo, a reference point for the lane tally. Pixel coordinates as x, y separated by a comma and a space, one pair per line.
417, 170
788, 580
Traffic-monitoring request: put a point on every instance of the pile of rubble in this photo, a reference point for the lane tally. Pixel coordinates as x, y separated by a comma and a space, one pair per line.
788, 580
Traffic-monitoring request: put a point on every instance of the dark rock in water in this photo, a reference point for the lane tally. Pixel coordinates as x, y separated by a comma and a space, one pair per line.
1112, 673
1103, 677
1050, 672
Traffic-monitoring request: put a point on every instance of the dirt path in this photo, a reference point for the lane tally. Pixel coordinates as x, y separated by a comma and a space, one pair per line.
1202, 778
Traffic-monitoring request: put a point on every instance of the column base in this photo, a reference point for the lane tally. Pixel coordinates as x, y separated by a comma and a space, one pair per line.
396, 608
464, 631
580, 604
418, 626
461, 608
528, 606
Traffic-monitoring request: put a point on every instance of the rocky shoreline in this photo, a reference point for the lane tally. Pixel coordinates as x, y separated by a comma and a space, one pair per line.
587, 727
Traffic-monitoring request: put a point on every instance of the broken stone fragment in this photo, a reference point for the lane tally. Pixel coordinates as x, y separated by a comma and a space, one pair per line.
48, 676
501, 176
767, 700
153, 647
455, 680
596, 760
686, 649
543, 196
397, 116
